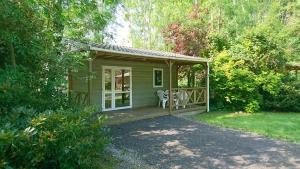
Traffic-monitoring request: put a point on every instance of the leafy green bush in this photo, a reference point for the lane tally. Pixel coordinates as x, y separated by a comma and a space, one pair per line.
13, 88
245, 74
19, 87
62, 139
288, 98
252, 107
233, 83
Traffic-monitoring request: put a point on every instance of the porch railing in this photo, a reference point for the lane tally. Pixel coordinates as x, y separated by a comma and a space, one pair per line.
192, 96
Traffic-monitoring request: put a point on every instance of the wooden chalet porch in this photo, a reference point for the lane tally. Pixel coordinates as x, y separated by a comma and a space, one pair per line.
128, 115
196, 104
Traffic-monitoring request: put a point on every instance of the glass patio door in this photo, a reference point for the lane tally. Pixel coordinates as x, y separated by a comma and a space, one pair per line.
116, 88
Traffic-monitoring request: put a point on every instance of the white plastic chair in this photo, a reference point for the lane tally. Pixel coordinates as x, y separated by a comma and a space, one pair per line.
163, 98
182, 97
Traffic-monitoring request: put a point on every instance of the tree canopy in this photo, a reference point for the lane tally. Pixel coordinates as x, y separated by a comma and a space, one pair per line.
249, 43
31, 34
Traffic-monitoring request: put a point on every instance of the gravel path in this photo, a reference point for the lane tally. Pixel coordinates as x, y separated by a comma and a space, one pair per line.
172, 142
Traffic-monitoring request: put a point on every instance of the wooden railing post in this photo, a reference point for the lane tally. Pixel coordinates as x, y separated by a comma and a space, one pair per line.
195, 95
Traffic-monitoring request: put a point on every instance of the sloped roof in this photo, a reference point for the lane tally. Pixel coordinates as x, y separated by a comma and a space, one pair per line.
128, 51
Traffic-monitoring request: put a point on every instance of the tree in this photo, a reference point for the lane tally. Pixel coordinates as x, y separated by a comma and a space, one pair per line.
148, 19
189, 36
248, 73
31, 34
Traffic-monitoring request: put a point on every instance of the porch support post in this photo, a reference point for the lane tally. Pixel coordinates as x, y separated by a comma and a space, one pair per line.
170, 87
207, 87
90, 69
177, 70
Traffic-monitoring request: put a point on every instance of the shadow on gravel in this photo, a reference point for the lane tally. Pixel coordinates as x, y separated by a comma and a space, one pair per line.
172, 142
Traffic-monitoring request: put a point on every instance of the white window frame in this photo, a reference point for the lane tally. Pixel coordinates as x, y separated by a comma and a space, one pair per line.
113, 68
162, 77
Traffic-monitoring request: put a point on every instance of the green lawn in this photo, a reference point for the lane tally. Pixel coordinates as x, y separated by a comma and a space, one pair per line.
277, 125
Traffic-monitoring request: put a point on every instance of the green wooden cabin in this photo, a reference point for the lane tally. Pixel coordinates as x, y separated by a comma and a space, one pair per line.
118, 77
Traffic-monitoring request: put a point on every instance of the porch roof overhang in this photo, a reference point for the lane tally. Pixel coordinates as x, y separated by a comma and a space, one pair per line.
128, 53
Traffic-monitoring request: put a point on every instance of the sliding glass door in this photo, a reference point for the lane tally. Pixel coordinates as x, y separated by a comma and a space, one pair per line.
116, 88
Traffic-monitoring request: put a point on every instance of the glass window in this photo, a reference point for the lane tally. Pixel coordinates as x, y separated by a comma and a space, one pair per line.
122, 99
122, 80
107, 76
108, 101
157, 77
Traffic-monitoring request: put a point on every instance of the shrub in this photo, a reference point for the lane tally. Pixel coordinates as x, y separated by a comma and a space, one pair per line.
19, 87
252, 107
18, 118
62, 139
288, 98
14, 91
249, 76
233, 83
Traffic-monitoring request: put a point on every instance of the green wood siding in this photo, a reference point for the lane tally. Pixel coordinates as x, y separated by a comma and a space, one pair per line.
80, 80
143, 92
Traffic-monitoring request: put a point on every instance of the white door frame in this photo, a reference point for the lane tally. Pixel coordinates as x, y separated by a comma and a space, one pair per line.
113, 106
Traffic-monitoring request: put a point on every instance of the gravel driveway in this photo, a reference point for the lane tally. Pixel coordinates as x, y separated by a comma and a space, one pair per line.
172, 142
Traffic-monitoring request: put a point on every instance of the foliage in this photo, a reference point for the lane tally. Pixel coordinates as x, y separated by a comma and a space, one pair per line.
34, 63
249, 43
12, 80
253, 106
247, 68
288, 97
234, 85
227, 20
189, 37
149, 17
262, 53
31, 34
280, 125
247, 72
18, 88
62, 139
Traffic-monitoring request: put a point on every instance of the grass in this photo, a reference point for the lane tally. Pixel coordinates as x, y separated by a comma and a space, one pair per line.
277, 125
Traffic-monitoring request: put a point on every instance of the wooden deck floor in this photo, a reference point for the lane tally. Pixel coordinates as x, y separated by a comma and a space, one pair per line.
127, 115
